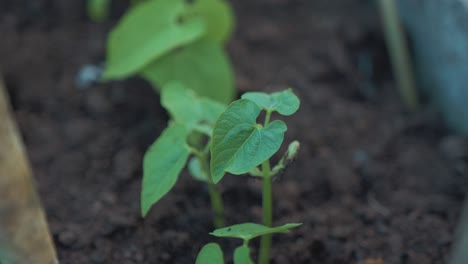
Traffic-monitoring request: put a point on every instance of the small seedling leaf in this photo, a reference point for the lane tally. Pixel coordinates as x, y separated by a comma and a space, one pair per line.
210, 254
284, 102
162, 165
148, 31
247, 231
185, 107
242, 255
196, 171
203, 66
239, 143
98, 10
218, 17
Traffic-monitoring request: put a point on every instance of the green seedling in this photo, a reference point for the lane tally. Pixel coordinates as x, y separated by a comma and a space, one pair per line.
240, 145
192, 119
98, 10
212, 253
234, 143
174, 40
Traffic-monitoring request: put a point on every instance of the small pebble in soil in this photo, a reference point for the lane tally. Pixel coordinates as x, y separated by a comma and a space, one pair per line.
108, 198
360, 160
67, 238
88, 75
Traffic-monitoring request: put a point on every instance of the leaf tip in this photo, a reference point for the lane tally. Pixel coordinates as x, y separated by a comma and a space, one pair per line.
294, 225
144, 209
217, 178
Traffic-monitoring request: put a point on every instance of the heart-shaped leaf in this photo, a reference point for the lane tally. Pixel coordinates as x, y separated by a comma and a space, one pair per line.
218, 17
210, 254
146, 32
186, 108
203, 66
162, 165
247, 231
242, 255
284, 102
239, 143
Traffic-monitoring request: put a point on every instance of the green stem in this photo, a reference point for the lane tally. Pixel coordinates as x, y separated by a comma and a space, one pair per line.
267, 118
267, 204
215, 196
217, 205
399, 55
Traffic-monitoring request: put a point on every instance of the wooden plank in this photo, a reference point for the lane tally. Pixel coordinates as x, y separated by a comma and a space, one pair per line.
24, 234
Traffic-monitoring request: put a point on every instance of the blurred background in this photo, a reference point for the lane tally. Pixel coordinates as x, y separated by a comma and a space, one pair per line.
375, 182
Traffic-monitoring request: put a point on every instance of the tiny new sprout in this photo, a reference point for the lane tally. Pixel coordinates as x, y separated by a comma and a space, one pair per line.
192, 118
98, 10
212, 253
239, 145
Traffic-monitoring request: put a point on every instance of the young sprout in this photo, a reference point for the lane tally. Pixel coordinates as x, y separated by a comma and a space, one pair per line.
240, 145
98, 10
234, 142
192, 119
174, 40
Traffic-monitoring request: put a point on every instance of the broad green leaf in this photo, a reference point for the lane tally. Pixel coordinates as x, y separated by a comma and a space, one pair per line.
218, 17
181, 104
148, 31
202, 66
98, 10
210, 254
239, 143
186, 108
242, 255
162, 165
196, 171
247, 231
284, 102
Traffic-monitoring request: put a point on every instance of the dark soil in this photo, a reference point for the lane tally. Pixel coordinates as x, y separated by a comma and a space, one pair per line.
372, 182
